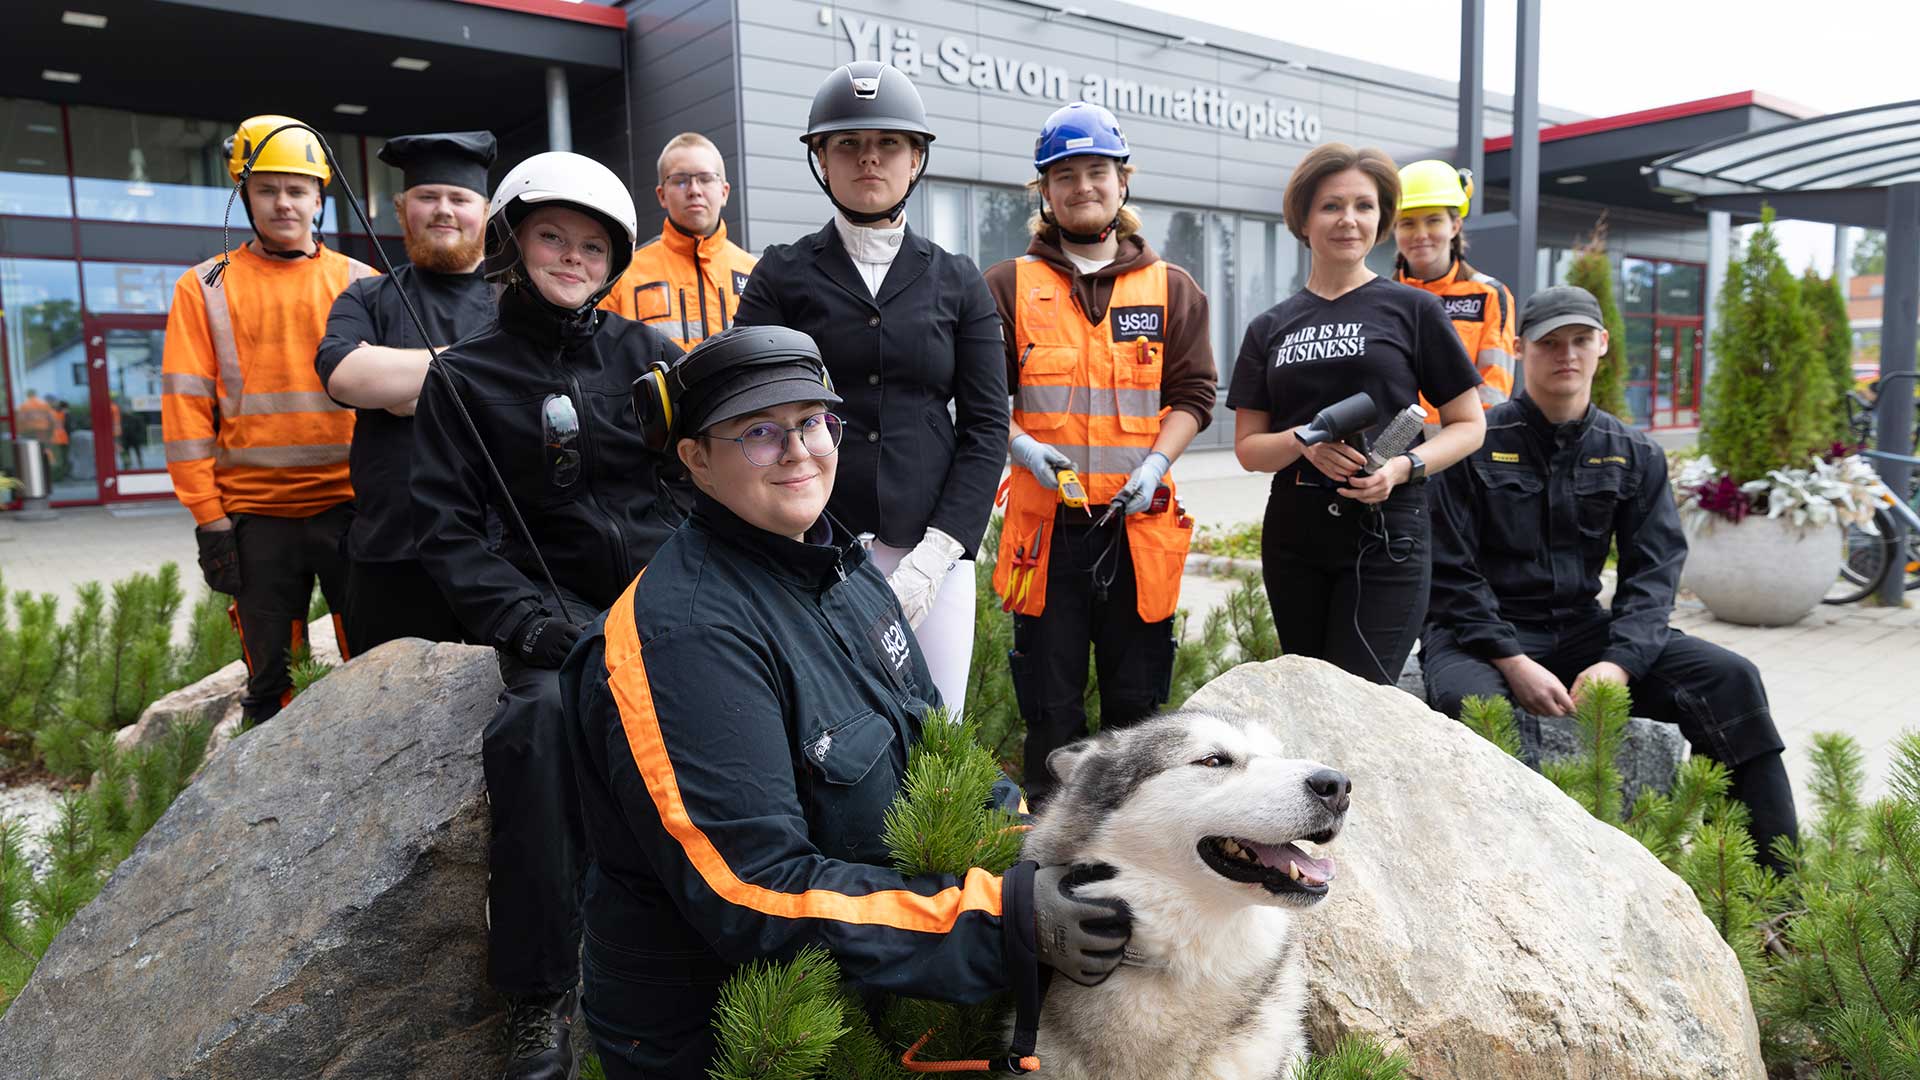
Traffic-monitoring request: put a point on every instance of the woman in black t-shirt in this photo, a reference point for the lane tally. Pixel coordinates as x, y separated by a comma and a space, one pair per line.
1346, 556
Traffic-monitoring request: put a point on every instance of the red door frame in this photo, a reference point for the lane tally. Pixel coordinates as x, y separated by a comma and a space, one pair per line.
1670, 324
106, 447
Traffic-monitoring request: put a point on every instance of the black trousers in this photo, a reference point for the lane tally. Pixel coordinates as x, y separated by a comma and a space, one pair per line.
1348, 584
391, 600
537, 856
1091, 603
1714, 695
279, 559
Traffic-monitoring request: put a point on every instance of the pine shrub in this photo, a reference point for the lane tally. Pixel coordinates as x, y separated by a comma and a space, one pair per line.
1592, 270
1354, 1058
1770, 399
1491, 718
1592, 777
211, 641
1833, 337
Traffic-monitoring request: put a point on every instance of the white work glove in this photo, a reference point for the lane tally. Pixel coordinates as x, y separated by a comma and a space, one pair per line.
1139, 487
919, 575
1039, 459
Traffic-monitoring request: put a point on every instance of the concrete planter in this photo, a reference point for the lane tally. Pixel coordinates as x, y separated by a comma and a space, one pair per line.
1763, 571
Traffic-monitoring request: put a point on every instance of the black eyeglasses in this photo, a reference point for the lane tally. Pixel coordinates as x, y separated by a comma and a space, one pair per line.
766, 442
562, 426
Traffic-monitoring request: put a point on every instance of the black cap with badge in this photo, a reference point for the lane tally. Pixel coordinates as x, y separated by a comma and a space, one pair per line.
1563, 305
459, 158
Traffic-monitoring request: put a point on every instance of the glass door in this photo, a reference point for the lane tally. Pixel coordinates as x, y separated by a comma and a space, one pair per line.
124, 353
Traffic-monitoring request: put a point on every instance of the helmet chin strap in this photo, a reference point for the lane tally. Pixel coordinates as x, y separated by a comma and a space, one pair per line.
1084, 239
867, 217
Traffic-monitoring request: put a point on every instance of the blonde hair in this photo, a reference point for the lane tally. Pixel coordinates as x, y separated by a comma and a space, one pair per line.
1038, 225
1336, 157
681, 142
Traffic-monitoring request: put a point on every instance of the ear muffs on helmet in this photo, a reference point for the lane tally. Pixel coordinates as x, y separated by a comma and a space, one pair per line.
662, 393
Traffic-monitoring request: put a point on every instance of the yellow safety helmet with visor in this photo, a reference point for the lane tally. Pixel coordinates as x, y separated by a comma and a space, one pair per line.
1430, 183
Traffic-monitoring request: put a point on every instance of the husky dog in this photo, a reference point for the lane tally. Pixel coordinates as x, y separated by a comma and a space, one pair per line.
1202, 816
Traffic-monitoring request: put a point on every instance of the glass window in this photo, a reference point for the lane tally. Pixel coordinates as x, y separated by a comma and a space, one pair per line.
41, 329
1554, 266
1000, 224
129, 288
1679, 290
1179, 236
382, 181
1222, 256
161, 169
946, 225
1636, 287
33, 160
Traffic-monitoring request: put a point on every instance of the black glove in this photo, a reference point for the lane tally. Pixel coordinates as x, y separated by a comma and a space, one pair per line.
1082, 938
219, 560
545, 641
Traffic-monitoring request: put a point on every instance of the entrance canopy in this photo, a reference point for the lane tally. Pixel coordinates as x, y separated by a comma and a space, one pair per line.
1852, 168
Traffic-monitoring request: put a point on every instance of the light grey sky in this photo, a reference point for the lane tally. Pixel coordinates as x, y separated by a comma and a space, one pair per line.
1626, 55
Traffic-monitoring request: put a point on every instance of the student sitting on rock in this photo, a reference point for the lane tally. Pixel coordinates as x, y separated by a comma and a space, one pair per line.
1557, 482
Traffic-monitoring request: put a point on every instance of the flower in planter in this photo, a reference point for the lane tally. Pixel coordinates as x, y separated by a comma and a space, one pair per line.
1829, 491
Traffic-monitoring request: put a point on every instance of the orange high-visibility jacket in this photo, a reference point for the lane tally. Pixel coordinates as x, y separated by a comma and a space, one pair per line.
34, 420
1093, 393
685, 288
1483, 315
248, 427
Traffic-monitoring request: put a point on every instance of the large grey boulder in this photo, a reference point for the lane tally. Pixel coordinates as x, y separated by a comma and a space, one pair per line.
1648, 761
313, 905
1481, 920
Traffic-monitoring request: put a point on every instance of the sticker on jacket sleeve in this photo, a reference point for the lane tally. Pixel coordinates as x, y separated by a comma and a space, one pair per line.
1466, 308
895, 649
1144, 321
739, 283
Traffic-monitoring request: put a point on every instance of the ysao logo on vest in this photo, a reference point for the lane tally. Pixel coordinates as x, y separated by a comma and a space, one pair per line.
739, 283
1145, 321
1466, 308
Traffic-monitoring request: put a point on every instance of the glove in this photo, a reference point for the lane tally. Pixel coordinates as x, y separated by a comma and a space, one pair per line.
919, 575
1139, 488
1039, 459
219, 560
545, 641
1083, 938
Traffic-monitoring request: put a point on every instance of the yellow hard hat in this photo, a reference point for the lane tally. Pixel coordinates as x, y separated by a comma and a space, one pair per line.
1430, 183
294, 150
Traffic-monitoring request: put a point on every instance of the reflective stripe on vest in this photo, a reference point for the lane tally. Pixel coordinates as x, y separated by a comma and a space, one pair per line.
232, 387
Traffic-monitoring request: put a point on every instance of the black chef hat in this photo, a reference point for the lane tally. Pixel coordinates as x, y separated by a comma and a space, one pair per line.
459, 158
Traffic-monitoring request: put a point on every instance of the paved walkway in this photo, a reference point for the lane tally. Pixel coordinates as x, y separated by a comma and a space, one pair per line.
1853, 669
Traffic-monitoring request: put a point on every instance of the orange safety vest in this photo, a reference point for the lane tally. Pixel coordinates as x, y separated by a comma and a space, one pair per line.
1093, 393
1482, 312
685, 288
60, 436
246, 424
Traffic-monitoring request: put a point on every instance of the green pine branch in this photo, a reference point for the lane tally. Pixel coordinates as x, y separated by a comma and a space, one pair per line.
779, 1021
1354, 1057
1491, 718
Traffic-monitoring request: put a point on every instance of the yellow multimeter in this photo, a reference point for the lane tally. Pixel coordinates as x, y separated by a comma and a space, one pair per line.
1072, 492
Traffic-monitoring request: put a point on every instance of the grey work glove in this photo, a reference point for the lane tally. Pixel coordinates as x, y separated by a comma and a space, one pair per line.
1039, 459
1139, 488
1083, 938
921, 572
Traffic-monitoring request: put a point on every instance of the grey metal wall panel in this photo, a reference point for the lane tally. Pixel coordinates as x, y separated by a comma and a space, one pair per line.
683, 75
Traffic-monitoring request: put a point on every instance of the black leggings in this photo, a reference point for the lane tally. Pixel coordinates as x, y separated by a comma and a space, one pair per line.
1349, 587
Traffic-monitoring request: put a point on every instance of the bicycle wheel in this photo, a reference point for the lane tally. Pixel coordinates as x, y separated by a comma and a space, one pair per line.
1863, 562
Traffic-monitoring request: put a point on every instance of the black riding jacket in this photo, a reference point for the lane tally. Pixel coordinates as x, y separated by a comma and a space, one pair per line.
592, 498
1521, 531
740, 724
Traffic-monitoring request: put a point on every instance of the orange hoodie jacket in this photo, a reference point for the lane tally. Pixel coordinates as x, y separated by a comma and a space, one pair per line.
248, 427
685, 288
1483, 315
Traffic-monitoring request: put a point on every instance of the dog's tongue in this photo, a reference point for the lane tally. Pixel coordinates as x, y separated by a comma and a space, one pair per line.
1312, 871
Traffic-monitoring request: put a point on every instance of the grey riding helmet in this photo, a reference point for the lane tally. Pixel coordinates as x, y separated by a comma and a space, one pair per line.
866, 95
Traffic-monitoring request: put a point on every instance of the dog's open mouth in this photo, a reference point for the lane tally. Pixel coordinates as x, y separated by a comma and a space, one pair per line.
1279, 868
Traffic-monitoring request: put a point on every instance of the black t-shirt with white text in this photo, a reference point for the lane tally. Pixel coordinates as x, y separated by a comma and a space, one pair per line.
1390, 340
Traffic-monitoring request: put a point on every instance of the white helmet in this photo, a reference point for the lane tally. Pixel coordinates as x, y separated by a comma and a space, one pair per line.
571, 180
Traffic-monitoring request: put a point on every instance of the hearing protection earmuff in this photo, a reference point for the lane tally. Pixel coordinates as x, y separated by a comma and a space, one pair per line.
662, 394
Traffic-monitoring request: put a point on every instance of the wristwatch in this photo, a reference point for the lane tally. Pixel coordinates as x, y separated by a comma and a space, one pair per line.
1419, 470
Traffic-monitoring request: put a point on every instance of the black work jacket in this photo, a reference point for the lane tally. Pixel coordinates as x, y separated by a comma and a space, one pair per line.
929, 339
593, 502
454, 307
740, 723
1521, 531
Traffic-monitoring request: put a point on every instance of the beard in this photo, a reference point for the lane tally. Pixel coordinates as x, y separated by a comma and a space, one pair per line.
444, 256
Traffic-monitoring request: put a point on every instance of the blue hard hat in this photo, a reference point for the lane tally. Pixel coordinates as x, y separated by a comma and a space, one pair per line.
1076, 129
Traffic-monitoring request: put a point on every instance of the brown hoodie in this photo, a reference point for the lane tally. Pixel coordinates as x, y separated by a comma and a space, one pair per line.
1188, 378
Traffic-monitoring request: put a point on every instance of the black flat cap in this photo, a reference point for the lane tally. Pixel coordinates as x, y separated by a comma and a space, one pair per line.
459, 158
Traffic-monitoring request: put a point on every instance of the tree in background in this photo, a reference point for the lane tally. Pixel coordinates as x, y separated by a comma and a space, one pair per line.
1870, 254
1769, 399
1593, 271
1827, 313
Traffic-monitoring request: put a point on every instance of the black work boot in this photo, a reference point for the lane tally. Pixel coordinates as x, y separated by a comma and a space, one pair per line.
540, 1037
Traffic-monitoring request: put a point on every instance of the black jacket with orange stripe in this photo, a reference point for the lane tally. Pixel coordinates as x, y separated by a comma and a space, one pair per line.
740, 722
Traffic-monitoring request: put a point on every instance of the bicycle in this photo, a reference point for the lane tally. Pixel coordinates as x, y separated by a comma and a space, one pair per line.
1869, 554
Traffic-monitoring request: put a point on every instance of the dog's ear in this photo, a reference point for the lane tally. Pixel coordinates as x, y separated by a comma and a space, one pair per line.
1063, 762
